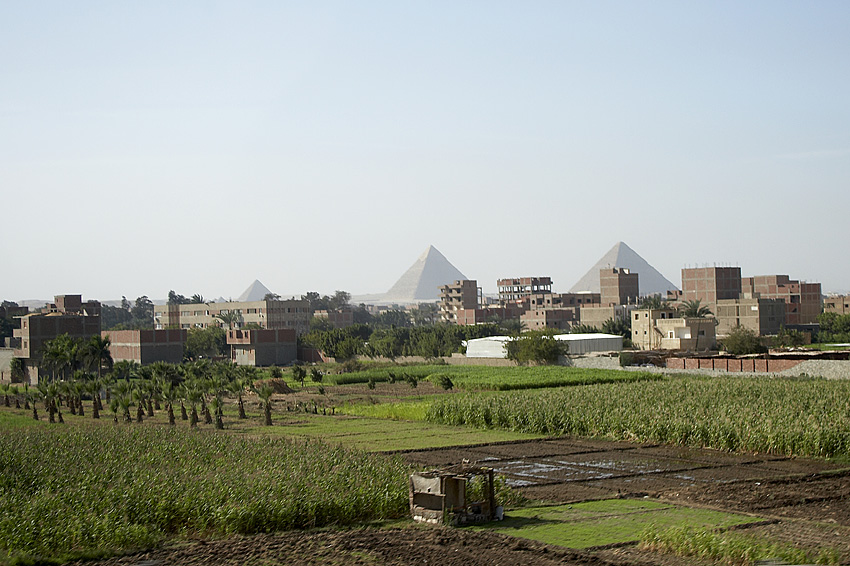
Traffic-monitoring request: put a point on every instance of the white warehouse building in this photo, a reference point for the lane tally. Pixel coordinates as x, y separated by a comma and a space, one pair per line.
494, 346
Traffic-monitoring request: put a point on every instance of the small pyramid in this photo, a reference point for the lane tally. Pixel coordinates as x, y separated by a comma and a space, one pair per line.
621, 255
422, 281
256, 291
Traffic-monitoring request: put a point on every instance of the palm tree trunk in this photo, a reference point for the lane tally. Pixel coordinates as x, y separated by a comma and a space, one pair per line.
268, 413
183, 415
171, 420
242, 414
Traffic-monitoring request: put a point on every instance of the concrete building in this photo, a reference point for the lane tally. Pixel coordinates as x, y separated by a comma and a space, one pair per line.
146, 346
68, 314
803, 300
339, 318
764, 316
462, 294
711, 284
618, 286
262, 348
552, 319
596, 316
664, 329
268, 314
512, 290
563, 300
839, 304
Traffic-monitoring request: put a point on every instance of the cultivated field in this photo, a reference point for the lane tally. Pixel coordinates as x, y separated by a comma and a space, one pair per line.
90, 487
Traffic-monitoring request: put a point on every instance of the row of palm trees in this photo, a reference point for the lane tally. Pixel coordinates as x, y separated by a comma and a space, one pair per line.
196, 390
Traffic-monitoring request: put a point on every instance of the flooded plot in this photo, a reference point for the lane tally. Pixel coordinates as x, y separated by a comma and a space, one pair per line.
546, 471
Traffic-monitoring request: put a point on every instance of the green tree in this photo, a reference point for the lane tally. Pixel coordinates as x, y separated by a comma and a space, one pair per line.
584, 329
393, 318
142, 311
535, 346
206, 343
177, 299
229, 317
197, 299
265, 392
742, 340
693, 309
654, 302
617, 326
96, 354
340, 299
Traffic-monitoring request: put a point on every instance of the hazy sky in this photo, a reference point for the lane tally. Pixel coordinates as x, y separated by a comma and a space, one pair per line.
197, 146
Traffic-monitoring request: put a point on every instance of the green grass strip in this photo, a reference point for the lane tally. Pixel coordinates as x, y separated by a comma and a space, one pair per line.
730, 548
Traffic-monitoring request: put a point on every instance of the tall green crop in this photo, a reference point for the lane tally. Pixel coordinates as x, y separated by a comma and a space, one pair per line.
782, 416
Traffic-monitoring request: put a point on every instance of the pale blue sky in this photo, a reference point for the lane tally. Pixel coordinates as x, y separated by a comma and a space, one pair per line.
197, 146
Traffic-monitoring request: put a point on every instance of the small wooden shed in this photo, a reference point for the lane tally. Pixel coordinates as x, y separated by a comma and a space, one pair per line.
440, 496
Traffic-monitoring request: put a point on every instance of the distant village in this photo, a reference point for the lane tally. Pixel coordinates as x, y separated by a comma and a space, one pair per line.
622, 301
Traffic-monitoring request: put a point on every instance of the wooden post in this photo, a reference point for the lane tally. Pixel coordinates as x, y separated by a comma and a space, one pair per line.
491, 493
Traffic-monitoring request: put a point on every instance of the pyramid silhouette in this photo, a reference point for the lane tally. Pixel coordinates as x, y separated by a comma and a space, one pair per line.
422, 281
256, 291
621, 255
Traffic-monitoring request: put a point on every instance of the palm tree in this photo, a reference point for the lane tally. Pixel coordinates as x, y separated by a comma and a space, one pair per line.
170, 394
653, 302
229, 318
693, 309
264, 392
216, 405
125, 369
96, 353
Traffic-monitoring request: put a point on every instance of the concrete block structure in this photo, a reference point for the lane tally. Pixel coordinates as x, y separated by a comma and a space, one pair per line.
803, 300
664, 329
711, 284
146, 346
517, 289
272, 313
68, 314
553, 319
839, 304
764, 316
596, 316
463, 294
618, 286
262, 348
339, 318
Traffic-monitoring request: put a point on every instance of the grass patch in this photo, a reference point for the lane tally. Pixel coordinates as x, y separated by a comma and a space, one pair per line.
606, 522
381, 435
401, 411
729, 547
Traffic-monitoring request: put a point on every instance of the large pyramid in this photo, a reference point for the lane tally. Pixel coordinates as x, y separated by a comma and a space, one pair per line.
255, 292
422, 281
621, 255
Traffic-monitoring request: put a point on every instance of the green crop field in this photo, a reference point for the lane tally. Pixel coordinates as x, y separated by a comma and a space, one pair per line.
606, 522
94, 489
804, 417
